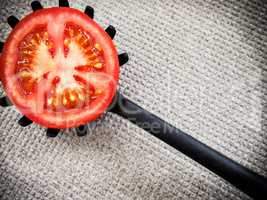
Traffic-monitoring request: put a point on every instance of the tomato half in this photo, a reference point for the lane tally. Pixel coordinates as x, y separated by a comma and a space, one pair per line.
59, 68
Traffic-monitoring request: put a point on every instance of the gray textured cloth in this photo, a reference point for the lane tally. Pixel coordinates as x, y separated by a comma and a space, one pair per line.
200, 65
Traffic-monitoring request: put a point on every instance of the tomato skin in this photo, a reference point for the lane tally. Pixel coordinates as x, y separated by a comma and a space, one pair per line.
25, 104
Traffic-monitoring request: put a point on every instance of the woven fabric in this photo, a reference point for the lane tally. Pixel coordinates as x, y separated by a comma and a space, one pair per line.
200, 65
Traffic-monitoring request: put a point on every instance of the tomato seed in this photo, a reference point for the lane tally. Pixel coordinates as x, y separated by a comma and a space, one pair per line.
98, 65
98, 47
98, 91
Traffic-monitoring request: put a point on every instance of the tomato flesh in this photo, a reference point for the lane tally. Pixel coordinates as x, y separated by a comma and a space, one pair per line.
64, 72
38, 58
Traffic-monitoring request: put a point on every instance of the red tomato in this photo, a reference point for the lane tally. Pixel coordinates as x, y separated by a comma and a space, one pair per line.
59, 68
